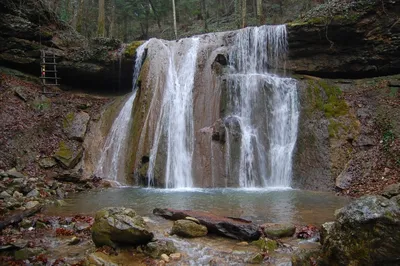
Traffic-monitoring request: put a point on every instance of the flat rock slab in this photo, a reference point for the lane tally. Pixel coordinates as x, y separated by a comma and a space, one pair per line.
235, 228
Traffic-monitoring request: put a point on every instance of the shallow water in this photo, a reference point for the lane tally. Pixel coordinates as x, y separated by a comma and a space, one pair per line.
259, 205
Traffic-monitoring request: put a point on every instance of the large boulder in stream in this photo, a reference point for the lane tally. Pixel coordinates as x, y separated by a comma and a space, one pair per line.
366, 232
116, 226
188, 228
235, 228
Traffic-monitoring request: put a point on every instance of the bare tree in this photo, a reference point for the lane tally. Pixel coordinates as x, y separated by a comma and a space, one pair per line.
79, 20
101, 25
112, 20
174, 15
74, 13
260, 15
204, 11
244, 13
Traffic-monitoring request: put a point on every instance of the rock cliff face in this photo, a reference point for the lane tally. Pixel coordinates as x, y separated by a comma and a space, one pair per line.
347, 40
344, 134
94, 64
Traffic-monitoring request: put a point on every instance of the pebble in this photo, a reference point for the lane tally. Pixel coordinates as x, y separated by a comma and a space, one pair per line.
165, 257
160, 263
175, 256
4, 195
244, 243
17, 195
33, 193
31, 204
75, 240
14, 173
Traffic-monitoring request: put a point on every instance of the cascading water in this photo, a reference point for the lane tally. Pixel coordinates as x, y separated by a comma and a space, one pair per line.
112, 161
175, 124
262, 107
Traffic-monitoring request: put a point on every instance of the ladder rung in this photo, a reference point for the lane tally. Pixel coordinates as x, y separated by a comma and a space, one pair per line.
51, 71
48, 63
49, 78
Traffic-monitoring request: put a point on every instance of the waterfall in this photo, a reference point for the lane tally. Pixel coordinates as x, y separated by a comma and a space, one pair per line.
176, 120
112, 160
263, 107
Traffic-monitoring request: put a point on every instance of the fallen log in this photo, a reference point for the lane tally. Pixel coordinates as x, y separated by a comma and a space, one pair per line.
235, 228
16, 218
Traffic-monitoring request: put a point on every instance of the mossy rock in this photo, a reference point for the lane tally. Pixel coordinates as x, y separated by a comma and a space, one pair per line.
119, 226
274, 231
265, 244
27, 253
68, 154
75, 125
41, 103
188, 228
131, 48
159, 247
366, 232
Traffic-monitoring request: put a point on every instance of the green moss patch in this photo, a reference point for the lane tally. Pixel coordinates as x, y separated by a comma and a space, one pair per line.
69, 118
131, 48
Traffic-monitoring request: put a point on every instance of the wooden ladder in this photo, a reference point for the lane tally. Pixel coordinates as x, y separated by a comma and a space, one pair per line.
48, 69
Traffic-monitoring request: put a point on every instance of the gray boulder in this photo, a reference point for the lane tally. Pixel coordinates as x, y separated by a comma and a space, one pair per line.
159, 247
391, 191
75, 125
273, 230
14, 173
68, 154
47, 162
188, 228
366, 232
117, 226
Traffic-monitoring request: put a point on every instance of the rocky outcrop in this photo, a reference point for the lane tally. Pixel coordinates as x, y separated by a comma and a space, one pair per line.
366, 232
119, 226
75, 125
347, 137
348, 40
235, 228
95, 64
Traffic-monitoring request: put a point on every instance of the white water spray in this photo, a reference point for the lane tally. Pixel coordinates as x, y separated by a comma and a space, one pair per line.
264, 106
112, 161
175, 125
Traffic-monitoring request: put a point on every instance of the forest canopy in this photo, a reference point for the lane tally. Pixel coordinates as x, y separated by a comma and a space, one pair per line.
130, 20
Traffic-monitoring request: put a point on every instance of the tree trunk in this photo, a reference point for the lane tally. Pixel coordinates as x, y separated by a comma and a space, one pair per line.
204, 11
238, 4
101, 26
260, 15
174, 15
112, 23
156, 14
74, 19
244, 13
80, 16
